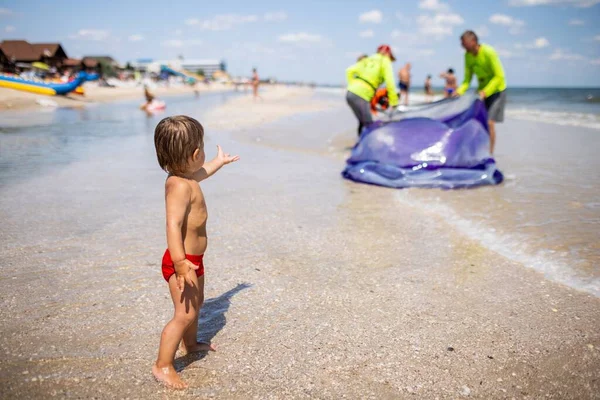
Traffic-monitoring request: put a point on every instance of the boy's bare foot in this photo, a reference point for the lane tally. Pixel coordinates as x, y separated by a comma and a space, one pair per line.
168, 377
195, 348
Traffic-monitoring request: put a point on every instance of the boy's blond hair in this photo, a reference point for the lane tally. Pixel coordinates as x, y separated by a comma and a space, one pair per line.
176, 138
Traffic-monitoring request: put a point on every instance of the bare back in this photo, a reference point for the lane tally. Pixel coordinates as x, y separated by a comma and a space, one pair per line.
451, 80
193, 230
404, 75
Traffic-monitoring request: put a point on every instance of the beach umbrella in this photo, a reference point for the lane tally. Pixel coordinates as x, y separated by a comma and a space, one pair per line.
40, 65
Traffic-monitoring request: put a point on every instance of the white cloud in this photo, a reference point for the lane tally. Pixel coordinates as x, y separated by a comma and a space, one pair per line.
5, 11
538, 43
91, 34
482, 31
433, 5
301, 37
576, 3
576, 22
439, 25
177, 43
515, 25
450, 19
560, 54
136, 38
595, 61
9, 28
276, 16
178, 32
221, 22
597, 38
501, 19
366, 34
373, 16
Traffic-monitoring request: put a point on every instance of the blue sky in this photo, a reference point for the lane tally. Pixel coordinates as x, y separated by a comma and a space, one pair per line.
541, 42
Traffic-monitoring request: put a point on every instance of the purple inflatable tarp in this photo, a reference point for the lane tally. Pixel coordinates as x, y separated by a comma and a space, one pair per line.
442, 145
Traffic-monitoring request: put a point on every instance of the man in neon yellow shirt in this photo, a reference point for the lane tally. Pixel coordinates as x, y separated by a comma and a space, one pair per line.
483, 61
364, 78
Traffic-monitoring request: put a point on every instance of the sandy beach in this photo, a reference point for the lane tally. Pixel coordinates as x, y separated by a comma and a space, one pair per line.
316, 287
18, 100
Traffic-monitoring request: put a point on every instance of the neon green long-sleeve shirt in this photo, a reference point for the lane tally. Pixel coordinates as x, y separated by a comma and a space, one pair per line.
366, 75
488, 68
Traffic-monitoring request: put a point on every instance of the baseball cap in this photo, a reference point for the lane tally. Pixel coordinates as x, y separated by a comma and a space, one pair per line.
384, 48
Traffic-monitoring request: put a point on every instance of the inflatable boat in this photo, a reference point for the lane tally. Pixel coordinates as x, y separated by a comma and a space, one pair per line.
40, 86
440, 145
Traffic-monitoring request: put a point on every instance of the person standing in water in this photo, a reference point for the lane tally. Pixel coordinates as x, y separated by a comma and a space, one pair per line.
364, 78
450, 87
483, 61
428, 91
149, 98
404, 83
255, 83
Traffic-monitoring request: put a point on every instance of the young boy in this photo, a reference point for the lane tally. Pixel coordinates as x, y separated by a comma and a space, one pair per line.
179, 143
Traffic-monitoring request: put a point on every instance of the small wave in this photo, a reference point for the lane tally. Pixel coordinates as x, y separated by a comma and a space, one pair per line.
511, 246
586, 120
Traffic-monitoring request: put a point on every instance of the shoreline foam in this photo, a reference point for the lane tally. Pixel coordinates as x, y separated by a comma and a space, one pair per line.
512, 246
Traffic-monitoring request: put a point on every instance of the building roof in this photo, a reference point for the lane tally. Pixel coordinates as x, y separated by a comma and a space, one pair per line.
19, 50
22, 50
72, 62
102, 59
89, 62
49, 49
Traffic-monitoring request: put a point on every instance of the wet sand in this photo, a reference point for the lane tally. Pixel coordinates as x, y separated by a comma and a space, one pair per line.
316, 287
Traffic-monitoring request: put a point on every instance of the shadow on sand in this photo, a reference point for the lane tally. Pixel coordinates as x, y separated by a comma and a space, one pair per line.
212, 320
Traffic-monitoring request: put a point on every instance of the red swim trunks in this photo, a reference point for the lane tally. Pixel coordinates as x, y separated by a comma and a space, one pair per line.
168, 267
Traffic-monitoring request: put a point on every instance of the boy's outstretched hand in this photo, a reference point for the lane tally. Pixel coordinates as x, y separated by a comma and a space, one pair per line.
182, 273
225, 158
212, 166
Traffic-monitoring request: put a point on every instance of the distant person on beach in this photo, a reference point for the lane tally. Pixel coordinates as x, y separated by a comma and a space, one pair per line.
364, 78
404, 83
427, 88
179, 143
255, 84
483, 60
450, 87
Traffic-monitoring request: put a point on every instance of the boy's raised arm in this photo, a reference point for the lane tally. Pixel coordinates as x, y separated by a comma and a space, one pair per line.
212, 166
